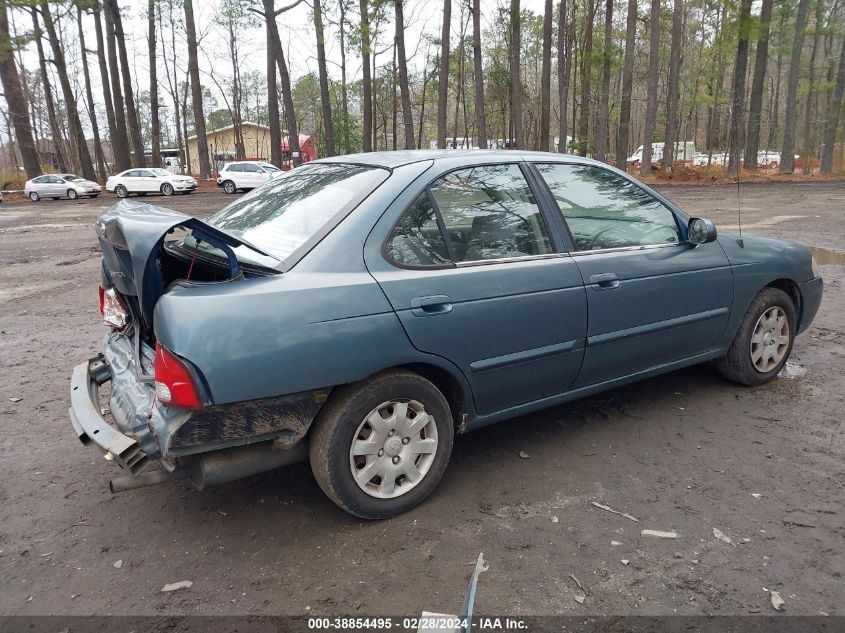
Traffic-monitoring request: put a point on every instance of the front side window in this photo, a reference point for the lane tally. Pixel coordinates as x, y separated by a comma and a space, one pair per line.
605, 210
250, 168
488, 212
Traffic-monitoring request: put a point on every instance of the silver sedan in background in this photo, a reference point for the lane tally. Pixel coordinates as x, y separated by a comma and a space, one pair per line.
60, 186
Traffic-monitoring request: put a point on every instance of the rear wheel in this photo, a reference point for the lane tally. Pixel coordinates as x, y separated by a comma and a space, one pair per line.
120, 191
71, 193
380, 447
33, 195
229, 187
167, 189
764, 340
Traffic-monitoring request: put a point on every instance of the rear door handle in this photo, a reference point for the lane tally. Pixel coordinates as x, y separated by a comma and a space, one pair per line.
605, 281
431, 306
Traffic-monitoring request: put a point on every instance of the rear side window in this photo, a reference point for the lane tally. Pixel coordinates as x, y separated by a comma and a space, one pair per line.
487, 212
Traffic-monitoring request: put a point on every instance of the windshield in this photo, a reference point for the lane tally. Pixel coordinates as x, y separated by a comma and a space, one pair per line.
285, 213
268, 167
160, 172
70, 177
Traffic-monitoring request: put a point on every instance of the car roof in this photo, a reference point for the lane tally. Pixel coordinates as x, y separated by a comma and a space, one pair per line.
398, 158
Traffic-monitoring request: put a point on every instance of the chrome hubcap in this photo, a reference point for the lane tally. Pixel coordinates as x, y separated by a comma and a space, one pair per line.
393, 448
770, 339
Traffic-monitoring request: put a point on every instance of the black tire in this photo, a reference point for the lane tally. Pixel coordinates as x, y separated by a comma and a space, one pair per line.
33, 195
121, 192
71, 194
229, 186
167, 189
337, 426
737, 365
95, 195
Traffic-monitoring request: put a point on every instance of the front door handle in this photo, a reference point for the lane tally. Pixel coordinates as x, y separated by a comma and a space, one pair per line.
605, 281
431, 306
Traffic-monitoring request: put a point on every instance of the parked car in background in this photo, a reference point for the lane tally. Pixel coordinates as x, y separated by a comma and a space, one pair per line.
361, 310
149, 180
60, 186
246, 174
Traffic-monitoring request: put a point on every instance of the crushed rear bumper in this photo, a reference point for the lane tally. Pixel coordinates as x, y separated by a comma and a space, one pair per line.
90, 425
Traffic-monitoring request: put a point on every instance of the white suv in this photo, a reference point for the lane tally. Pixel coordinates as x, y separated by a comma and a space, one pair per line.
246, 175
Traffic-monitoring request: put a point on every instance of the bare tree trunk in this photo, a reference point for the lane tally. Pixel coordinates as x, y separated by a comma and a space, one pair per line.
404, 90
624, 131
196, 92
774, 116
834, 115
287, 95
604, 99
273, 120
104, 74
120, 140
459, 80
443, 86
563, 65
132, 120
86, 166
344, 92
367, 86
478, 70
738, 92
586, 76
758, 82
155, 124
672, 94
809, 153
651, 96
15, 100
787, 153
55, 130
543, 140
89, 95
516, 81
325, 98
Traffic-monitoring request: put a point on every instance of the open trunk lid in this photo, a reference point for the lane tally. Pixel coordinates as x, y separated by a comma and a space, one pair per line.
131, 236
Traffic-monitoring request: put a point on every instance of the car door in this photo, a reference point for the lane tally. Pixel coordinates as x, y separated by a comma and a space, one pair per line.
56, 186
147, 181
476, 276
653, 299
253, 176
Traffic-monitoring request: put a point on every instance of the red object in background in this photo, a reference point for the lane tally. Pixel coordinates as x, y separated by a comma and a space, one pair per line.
307, 149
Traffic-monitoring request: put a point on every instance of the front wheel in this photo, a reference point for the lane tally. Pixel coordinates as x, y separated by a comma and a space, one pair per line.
229, 187
764, 340
71, 194
380, 447
167, 189
120, 191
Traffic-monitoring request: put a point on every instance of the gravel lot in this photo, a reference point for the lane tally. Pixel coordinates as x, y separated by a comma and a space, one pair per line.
686, 452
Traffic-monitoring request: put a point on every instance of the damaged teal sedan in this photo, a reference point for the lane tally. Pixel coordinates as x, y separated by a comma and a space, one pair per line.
362, 310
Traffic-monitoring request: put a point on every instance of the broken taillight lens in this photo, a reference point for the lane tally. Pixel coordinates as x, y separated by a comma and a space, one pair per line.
114, 312
174, 383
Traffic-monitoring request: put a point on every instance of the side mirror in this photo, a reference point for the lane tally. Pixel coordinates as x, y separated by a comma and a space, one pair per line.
700, 231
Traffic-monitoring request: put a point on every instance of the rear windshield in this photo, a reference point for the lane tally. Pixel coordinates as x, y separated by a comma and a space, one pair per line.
285, 213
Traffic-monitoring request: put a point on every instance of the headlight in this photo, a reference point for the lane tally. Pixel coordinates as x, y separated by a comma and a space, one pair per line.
814, 267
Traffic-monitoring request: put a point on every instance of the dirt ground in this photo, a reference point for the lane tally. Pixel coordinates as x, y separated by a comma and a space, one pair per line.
686, 452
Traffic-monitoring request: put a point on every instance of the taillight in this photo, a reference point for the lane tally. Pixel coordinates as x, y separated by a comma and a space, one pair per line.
114, 312
173, 382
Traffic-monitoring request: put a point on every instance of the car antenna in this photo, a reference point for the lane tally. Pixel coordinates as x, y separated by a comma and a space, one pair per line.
734, 132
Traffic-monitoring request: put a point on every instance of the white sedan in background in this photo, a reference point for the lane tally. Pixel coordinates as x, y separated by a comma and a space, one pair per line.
246, 174
149, 180
60, 186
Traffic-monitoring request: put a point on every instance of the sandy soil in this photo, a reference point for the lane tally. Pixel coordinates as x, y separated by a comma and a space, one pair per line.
685, 452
